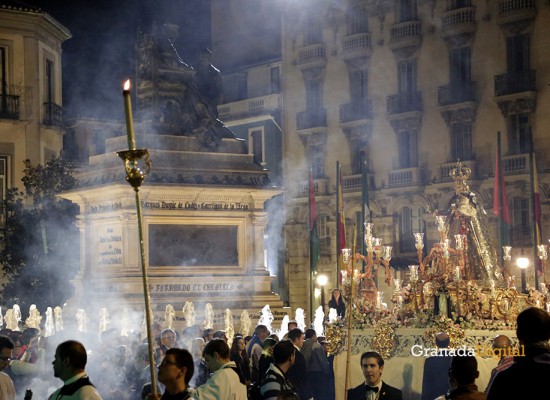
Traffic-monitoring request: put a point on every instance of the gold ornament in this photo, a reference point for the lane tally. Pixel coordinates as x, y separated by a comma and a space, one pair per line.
455, 332
335, 336
383, 340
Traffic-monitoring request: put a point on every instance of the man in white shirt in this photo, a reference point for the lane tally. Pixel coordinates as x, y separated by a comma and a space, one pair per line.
225, 383
68, 365
7, 390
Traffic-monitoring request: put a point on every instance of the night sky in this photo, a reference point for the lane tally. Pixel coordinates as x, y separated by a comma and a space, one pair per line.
100, 55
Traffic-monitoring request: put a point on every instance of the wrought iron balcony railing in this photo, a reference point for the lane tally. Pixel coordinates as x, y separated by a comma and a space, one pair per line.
516, 82
356, 111
404, 102
455, 93
53, 115
311, 119
9, 106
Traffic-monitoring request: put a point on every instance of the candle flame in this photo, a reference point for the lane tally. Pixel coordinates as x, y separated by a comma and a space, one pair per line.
127, 85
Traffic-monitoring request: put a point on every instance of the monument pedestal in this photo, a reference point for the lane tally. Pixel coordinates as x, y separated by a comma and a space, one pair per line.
203, 222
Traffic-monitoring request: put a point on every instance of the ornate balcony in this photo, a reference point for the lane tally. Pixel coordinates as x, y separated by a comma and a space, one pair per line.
312, 56
458, 22
356, 111
404, 177
356, 46
516, 164
320, 186
517, 82
511, 12
269, 104
9, 106
405, 35
404, 102
455, 93
311, 119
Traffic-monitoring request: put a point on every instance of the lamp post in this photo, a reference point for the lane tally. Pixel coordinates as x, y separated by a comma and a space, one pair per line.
523, 264
322, 281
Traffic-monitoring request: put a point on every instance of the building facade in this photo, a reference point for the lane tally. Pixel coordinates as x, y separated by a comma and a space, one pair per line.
409, 87
30, 90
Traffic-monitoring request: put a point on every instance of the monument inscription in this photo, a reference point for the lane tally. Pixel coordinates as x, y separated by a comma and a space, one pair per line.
109, 246
193, 245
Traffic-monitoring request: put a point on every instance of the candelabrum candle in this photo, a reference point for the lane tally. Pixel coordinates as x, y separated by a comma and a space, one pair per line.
445, 244
397, 283
129, 118
419, 237
507, 253
543, 252
414, 272
457, 274
441, 222
345, 255
386, 252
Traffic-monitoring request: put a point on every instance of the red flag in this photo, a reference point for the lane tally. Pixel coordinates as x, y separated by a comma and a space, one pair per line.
500, 193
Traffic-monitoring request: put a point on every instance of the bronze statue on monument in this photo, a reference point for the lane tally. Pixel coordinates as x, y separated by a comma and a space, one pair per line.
174, 97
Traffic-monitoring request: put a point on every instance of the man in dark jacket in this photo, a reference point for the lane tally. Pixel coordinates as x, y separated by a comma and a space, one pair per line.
463, 374
297, 374
318, 369
527, 377
435, 379
372, 365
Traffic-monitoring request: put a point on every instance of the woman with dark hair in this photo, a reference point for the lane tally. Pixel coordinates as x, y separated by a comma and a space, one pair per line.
238, 356
337, 303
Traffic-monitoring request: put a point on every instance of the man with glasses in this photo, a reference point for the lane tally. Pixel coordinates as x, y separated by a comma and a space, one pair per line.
7, 390
373, 388
167, 341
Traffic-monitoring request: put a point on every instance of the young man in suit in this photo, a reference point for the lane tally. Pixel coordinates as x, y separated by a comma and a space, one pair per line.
374, 388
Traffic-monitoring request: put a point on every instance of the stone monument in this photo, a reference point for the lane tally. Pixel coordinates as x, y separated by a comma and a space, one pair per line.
203, 201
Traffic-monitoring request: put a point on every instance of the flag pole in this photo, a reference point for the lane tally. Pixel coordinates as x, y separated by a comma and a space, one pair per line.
535, 204
500, 178
338, 256
313, 252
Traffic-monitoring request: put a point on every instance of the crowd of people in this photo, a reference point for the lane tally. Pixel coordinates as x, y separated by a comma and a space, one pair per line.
202, 365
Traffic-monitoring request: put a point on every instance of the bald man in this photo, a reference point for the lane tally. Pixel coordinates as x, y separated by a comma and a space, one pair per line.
502, 345
435, 380
68, 365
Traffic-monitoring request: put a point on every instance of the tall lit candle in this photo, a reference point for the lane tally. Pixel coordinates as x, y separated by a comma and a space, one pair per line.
128, 113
